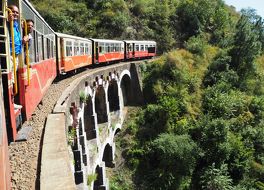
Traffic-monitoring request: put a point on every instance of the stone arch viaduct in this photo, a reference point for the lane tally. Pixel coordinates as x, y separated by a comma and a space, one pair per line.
79, 135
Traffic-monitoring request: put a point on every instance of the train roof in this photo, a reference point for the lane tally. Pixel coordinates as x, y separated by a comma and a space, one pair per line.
71, 36
140, 42
105, 40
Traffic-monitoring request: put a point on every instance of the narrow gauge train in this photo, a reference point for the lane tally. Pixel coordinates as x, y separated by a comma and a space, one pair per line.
50, 55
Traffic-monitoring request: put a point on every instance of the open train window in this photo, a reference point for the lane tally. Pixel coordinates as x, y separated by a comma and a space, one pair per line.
141, 47
107, 47
45, 49
86, 49
129, 47
101, 47
137, 47
39, 53
112, 47
32, 48
48, 48
81, 49
52, 49
76, 48
68, 48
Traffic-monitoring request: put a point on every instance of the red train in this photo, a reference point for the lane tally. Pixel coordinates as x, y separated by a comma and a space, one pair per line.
50, 54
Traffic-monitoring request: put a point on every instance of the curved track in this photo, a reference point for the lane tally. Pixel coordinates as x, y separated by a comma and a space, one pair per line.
24, 156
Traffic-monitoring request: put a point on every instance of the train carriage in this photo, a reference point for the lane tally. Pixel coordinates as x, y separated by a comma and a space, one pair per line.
107, 51
139, 49
72, 52
36, 68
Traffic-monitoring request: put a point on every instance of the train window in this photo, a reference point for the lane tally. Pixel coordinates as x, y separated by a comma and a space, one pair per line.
81, 49
48, 48
117, 47
40, 48
146, 47
141, 47
32, 48
100, 49
45, 48
68, 48
76, 48
52, 49
86, 49
107, 47
111, 47
137, 47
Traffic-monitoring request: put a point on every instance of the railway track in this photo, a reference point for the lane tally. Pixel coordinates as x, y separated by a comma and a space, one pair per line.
25, 155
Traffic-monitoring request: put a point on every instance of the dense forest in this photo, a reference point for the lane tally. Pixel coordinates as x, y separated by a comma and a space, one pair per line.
202, 126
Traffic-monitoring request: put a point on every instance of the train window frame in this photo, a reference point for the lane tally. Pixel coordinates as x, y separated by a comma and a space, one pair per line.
32, 48
45, 49
69, 49
48, 48
75, 48
40, 56
86, 48
101, 47
137, 47
82, 48
112, 47
141, 47
107, 47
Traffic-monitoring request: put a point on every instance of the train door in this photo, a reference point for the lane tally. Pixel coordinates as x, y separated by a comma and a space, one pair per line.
128, 50
133, 50
9, 75
95, 52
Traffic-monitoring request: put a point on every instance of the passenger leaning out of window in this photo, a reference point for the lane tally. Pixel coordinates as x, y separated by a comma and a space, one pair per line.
18, 40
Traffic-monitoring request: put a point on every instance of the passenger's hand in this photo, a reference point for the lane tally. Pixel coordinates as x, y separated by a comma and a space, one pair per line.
10, 17
25, 39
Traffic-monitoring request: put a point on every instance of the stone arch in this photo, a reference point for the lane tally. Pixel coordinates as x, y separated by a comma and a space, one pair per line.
126, 89
108, 157
88, 117
117, 131
99, 182
113, 98
100, 105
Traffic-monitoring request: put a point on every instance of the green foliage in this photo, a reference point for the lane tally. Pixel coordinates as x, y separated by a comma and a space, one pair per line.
91, 178
203, 16
170, 158
217, 179
71, 135
196, 45
83, 96
119, 182
219, 72
219, 103
246, 46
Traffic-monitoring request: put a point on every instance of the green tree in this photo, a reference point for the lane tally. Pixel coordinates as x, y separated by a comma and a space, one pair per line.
216, 178
171, 160
246, 46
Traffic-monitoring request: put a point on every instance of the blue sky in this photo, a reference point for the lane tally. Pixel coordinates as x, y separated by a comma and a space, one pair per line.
255, 4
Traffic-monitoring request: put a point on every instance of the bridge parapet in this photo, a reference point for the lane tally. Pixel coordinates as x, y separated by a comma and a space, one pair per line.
92, 107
